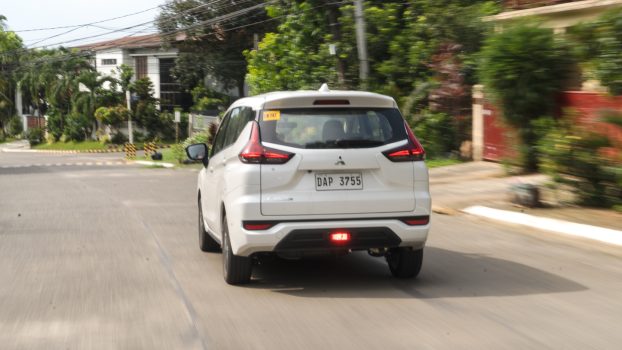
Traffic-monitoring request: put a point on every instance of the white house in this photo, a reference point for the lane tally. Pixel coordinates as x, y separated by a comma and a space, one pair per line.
148, 57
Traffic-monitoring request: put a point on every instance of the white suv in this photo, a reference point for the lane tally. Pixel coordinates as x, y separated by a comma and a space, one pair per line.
308, 172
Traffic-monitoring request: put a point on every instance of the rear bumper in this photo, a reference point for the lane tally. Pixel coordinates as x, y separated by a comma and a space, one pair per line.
319, 240
301, 236
244, 205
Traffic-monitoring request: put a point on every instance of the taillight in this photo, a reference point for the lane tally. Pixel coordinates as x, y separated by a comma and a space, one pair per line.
411, 152
340, 237
257, 225
416, 220
255, 153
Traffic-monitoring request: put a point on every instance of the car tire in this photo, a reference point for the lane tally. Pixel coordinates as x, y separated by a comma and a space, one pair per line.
236, 269
405, 262
207, 243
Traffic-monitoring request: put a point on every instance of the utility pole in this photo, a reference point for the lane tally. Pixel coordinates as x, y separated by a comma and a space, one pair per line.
361, 43
128, 98
335, 29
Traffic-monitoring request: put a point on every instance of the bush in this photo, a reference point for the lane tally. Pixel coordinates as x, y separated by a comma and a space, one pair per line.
35, 136
55, 123
77, 127
138, 136
437, 134
179, 152
112, 116
167, 126
208, 100
572, 155
599, 44
119, 138
199, 137
525, 67
15, 126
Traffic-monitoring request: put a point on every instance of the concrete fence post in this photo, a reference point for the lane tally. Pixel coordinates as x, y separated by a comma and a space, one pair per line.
478, 122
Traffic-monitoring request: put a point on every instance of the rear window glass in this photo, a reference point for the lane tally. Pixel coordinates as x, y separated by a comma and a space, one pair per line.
332, 128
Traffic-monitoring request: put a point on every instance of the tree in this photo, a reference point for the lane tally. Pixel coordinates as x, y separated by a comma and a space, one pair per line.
86, 102
524, 67
297, 55
216, 36
599, 45
48, 81
145, 110
112, 116
10, 45
402, 37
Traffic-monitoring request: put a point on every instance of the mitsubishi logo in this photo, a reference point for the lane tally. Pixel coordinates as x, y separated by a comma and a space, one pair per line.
340, 162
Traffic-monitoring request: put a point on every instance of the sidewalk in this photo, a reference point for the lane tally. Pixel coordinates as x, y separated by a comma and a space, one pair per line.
19, 145
467, 187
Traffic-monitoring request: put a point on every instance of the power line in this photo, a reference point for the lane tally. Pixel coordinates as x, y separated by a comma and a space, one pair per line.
219, 19
222, 18
87, 24
110, 32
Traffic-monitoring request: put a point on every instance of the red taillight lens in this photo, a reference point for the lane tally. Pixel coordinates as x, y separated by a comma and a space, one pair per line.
416, 221
411, 152
257, 226
255, 153
340, 237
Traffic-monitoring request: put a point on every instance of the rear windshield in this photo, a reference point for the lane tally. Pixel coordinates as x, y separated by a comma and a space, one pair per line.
332, 128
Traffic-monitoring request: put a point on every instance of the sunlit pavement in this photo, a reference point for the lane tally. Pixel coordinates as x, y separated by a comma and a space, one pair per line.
106, 257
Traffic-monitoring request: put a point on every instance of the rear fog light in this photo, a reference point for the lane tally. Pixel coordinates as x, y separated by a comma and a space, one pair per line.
340, 237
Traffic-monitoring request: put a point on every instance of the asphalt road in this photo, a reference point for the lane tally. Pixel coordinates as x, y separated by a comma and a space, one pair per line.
106, 257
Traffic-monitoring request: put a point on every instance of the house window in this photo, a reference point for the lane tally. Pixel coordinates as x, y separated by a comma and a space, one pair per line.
141, 66
171, 94
109, 62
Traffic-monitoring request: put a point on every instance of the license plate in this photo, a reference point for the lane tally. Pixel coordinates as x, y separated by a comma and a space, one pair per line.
334, 182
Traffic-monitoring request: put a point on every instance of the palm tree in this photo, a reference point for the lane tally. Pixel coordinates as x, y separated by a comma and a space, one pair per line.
10, 46
86, 101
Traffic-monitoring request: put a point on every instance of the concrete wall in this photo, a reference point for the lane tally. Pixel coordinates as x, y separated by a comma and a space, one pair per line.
109, 70
561, 16
126, 56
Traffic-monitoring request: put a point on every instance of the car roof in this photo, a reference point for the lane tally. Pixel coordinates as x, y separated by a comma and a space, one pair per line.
308, 99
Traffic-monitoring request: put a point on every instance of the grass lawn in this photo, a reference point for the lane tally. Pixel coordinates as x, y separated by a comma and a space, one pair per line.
8, 139
435, 163
167, 156
84, 146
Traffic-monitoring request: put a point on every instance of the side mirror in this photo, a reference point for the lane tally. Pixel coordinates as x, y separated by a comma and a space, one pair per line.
198, 151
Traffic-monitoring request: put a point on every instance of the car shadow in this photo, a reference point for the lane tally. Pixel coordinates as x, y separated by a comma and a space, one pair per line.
445, 274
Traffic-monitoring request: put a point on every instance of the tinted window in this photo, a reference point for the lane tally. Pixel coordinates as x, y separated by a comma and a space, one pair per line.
332, 128
239, 118
219, 140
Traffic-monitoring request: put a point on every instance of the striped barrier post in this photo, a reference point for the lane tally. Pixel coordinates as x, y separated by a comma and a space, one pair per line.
150, 149
130, 151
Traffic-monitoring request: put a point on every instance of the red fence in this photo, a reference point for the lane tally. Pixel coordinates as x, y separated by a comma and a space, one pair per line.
35, 122
589, 107
498, 139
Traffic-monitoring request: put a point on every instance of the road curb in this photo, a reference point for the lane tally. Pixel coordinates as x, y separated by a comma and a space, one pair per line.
597, 233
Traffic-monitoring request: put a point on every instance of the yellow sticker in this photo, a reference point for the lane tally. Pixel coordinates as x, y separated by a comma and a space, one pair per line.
271, 115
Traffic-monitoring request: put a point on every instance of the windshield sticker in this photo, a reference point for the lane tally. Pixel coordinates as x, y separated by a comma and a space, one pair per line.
271, 116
